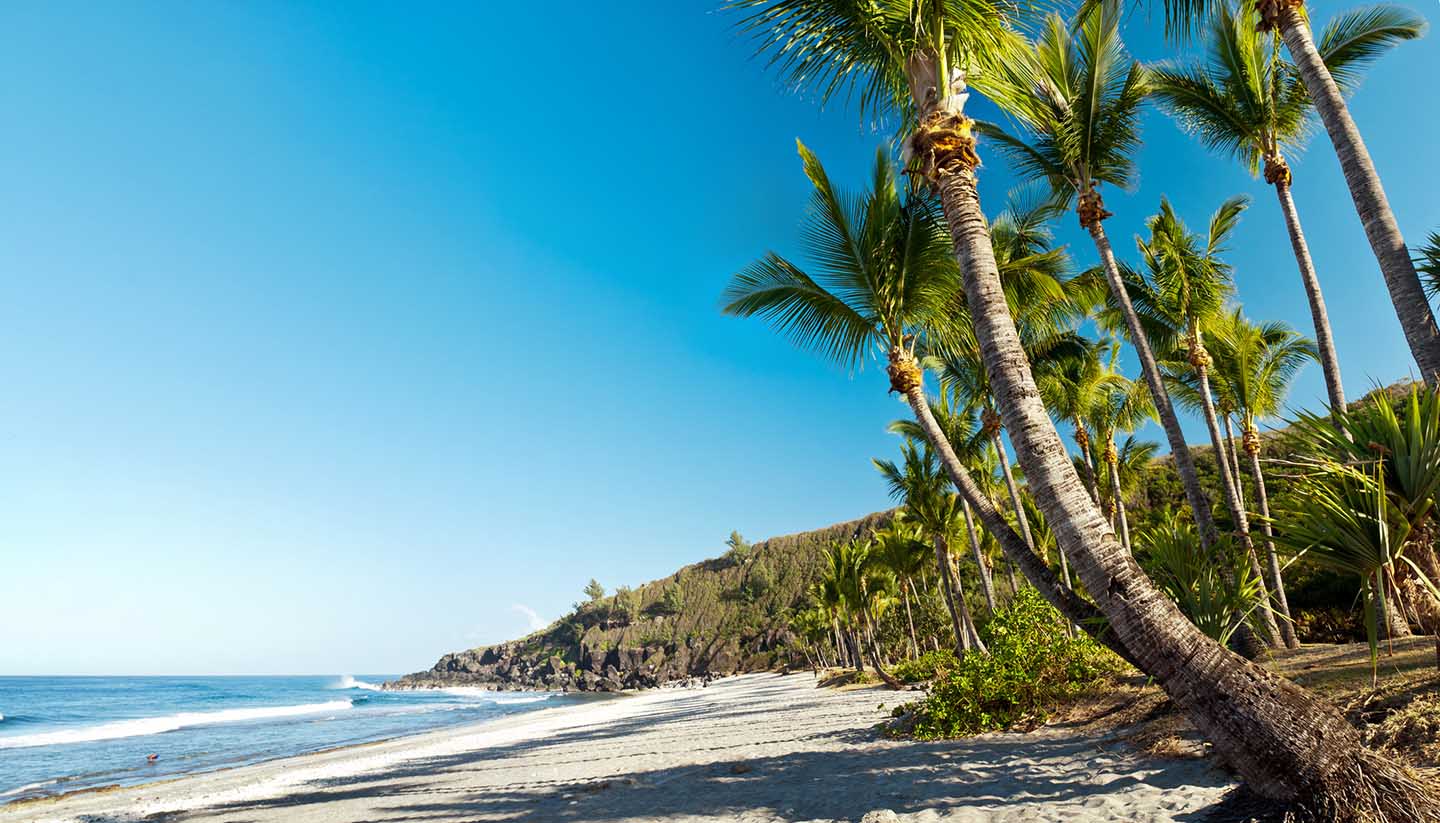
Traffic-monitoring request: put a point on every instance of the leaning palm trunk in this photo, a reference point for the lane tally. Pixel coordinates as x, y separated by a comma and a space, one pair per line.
1200, 360
1288, 744
1324, 337
1251, 443
1112, 459
909, 618
1381, 229
992, 424
1232, 453
907, 379
1179, 450
992, 427
987, 583
874, 649
1082, 442
952, 600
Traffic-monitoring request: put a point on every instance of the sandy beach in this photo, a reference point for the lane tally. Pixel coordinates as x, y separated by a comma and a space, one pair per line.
751, 748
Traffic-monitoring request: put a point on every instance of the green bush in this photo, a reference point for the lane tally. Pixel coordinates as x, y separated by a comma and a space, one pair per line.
925, 667
1032, 665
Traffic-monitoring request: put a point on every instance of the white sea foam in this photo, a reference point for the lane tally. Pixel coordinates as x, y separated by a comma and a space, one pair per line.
499, 698
28, 787
348, 682
157, 725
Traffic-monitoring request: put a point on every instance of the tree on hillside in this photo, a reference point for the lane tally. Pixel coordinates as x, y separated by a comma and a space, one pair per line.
594, 590
737, 549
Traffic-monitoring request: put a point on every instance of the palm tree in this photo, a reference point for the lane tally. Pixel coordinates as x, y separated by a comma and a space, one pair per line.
1046, 307
1071, 392
1246, 102
969, 446
1121, 405
921, 485
1287, 744
1035, 276
1133, 458
884, 277
1079, 97
1189, 283
1326, 89
898, 548
1429, 263
1257, 363
1381, 229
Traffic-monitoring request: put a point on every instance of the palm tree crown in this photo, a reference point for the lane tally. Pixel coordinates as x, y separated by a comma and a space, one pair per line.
881, 270
1246, 101
1078, 95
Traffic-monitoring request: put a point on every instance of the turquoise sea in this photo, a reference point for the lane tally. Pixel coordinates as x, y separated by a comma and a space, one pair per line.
60, 734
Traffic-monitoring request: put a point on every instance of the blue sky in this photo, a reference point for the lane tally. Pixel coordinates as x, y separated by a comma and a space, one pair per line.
329, 335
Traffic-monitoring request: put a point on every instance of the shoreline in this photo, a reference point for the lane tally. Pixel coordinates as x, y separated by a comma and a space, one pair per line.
301, 757
756, 748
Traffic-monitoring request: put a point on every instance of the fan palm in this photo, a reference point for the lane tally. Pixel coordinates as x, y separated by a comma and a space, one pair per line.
1286, 743
1246, 102
1256, 364
1078, 99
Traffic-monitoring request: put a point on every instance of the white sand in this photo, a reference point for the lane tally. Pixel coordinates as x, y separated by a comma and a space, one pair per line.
753, 748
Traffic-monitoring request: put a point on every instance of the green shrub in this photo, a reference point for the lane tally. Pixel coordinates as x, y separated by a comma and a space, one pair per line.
1032, 665
925, 666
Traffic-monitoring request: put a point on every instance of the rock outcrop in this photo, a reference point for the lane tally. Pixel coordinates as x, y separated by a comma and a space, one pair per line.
710, 619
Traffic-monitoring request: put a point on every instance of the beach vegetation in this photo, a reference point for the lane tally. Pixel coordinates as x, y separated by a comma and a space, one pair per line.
1033, 666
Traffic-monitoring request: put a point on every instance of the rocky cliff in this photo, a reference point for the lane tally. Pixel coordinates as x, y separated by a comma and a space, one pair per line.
713, 618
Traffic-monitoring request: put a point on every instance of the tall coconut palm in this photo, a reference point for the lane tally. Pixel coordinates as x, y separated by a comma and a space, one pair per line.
1121, 406
898, 548
1326, 87
1077, 97
1257, 363
922, 486
859, 585
1189, 282
959, 430
1286, 743
1071, 391
1247, 103
884, 276
970, 446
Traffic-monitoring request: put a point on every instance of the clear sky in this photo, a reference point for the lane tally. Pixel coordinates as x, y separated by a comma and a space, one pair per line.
337, 336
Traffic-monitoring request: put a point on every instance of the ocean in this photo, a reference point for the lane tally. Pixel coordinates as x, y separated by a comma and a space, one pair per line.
60, 734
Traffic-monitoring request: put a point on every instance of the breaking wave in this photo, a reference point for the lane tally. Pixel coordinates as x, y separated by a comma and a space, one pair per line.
143, 726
